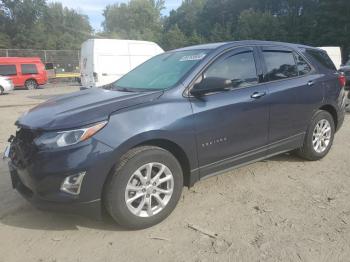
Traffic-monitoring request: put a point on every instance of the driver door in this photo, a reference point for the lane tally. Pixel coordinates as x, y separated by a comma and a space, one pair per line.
232, 125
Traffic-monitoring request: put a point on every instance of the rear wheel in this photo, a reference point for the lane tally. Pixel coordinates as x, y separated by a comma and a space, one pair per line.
319, 137
31, 84
145, 187
1, 90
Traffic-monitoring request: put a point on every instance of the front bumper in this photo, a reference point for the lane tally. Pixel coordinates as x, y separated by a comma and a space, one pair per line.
90, 209
39, 181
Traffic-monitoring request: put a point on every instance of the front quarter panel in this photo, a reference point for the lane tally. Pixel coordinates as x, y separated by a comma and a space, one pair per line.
167, 118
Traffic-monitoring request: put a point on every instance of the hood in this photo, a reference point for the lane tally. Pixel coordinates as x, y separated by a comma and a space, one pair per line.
81, 108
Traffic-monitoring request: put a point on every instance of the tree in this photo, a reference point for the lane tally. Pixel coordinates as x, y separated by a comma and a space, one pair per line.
333, 25
64, 28
137, 19
174, 38
33, 24
261, 26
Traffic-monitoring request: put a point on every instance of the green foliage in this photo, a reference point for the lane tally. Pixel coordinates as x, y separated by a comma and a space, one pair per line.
137, 19
313, 22
174, 38
37, 24
34, 24
258, 25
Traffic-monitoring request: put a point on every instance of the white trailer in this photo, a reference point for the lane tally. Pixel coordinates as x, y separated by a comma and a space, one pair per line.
334, 53
103, 61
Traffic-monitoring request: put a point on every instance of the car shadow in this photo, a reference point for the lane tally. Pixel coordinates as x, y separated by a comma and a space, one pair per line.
286, 157
30, 218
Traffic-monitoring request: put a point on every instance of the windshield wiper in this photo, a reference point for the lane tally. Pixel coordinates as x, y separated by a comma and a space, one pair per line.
124, 89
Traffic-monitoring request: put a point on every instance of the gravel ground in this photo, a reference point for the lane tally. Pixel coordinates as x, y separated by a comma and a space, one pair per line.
281, 209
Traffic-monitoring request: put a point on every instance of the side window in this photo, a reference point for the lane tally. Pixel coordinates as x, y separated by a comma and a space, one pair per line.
303, 67
8, 70
239, 68
28, 69
322, 57
280, 65
49, 66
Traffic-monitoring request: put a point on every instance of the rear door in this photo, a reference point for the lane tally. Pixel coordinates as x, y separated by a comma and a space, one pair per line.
232, 126
112, 61
28, 71
111, 67
294, 89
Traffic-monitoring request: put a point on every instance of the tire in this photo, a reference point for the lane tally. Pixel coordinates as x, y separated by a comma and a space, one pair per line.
309, 151
136, 214
1, 90
31, 84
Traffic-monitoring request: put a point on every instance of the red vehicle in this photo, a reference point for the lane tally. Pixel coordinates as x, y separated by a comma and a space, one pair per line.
25, 72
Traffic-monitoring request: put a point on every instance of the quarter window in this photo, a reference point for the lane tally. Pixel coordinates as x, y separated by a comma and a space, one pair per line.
239, 68
303, 67
322, 57
280, 65
8, 70
28, 69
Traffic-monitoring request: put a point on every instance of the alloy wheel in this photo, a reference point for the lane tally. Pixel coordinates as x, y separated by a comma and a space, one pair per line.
322, 136
149, 189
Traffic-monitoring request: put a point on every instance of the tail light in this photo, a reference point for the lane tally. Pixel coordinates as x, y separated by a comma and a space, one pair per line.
342, 79
95, 77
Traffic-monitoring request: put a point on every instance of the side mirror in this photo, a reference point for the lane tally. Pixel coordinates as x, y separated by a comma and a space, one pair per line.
210, 85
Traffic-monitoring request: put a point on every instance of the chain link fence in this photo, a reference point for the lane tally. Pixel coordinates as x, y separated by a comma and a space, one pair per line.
63, 61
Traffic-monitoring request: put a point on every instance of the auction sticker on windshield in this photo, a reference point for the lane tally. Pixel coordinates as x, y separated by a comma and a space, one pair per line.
192, 57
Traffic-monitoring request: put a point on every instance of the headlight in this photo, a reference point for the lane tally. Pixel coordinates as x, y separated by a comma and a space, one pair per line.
51, 140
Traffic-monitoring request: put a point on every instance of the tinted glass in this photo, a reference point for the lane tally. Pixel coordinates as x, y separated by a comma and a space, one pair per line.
322, 57
280, 65
239, 68
8, 70
49, 66
161, 72
303, 67
29, 69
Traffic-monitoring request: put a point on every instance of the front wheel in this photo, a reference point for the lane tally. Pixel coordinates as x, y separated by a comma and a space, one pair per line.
31, 84
319, 137
145, 187
1, 90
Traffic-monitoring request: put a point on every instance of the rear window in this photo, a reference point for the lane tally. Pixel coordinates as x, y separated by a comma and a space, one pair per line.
280, 65
8, 70
28, 69
322, 57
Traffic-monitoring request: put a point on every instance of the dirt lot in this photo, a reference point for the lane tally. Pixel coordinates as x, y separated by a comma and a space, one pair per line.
282, 209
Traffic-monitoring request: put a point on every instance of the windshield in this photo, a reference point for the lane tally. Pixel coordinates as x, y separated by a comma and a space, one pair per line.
160, 72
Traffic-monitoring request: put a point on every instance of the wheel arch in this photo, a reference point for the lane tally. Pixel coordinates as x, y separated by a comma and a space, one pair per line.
160, 140
176, 151
31, 78
331, 109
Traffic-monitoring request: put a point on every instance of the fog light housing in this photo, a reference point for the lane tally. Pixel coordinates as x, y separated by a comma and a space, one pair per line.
72, 184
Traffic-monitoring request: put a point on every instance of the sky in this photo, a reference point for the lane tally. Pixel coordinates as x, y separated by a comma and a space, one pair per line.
94, 8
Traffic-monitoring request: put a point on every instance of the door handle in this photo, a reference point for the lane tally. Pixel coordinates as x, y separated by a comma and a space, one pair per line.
310, 83
258, 95
104, 74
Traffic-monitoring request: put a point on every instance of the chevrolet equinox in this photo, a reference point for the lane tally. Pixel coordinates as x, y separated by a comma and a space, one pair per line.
129, 148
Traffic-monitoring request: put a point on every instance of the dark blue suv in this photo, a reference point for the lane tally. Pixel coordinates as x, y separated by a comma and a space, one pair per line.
129, 148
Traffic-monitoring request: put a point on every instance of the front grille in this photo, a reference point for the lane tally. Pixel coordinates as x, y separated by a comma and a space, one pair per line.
22, 147
347, 73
